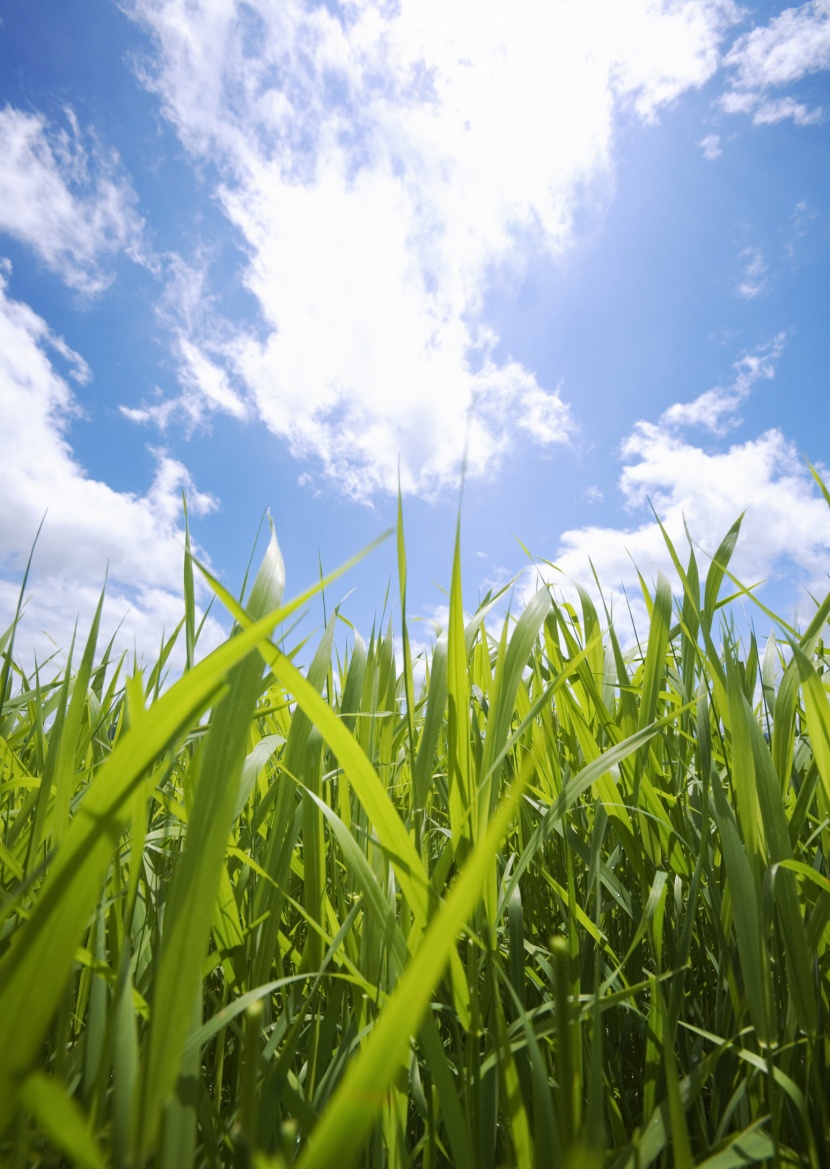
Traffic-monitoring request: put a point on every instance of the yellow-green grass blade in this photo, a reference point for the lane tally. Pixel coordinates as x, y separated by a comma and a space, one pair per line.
191, 903
189, 594
239, 611
360, 1096
94, 1055
177, 1144
703, 619
70, 732
461, 806
456, 1119
690, 623
314, 858
817, 708
44, 796
592, 635
752, 1146
125, 1063
7, 640
783, 723
157, 676
514, 1101
365, 878
673, 902
681, 1145
655, 663
579, 784
409, 683
349, 708
62, 1120
743, 767
505, 687
34, 971
797, 954
747, 919
717, 570
282, 825
546, 1127
821, 484
256, 759
606, 788
391, 832
436, 705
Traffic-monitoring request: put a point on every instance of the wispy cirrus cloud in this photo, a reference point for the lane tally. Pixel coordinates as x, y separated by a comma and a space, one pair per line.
66, 198
753, 280
386, 167
800, 221
186, 313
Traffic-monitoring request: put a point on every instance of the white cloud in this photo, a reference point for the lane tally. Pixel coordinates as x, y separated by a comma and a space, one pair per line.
715, 409
187, 313
803, 215
791, 46
769, 113
385, 166
206, 389
753, 279
64, 197
786, 529
711, 147
794, 43
88, 525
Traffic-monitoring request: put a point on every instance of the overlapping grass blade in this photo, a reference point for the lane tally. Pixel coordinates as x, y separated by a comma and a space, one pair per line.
341, 1131
190, 907
34, 970
285, 913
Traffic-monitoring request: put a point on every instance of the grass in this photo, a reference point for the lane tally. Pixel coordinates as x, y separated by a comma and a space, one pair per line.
561, 904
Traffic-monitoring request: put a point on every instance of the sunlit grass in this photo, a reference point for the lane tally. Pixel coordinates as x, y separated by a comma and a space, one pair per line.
563, 903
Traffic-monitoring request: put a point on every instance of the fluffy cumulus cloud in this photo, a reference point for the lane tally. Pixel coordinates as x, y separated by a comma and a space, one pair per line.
385, 166
786, 527
87, 524
794, 44
65, 197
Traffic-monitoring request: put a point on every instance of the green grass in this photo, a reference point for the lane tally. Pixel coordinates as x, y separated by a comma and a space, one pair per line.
563, 904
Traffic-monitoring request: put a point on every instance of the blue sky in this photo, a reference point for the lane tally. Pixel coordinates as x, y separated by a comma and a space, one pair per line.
272, 252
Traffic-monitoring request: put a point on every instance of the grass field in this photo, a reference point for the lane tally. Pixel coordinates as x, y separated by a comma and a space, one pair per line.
563, 903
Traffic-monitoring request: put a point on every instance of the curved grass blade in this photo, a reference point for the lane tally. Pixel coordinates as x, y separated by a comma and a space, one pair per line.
190, 908
34, 971
361, 1095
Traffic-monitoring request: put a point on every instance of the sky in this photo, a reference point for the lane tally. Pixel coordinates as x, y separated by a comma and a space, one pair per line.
283, 256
